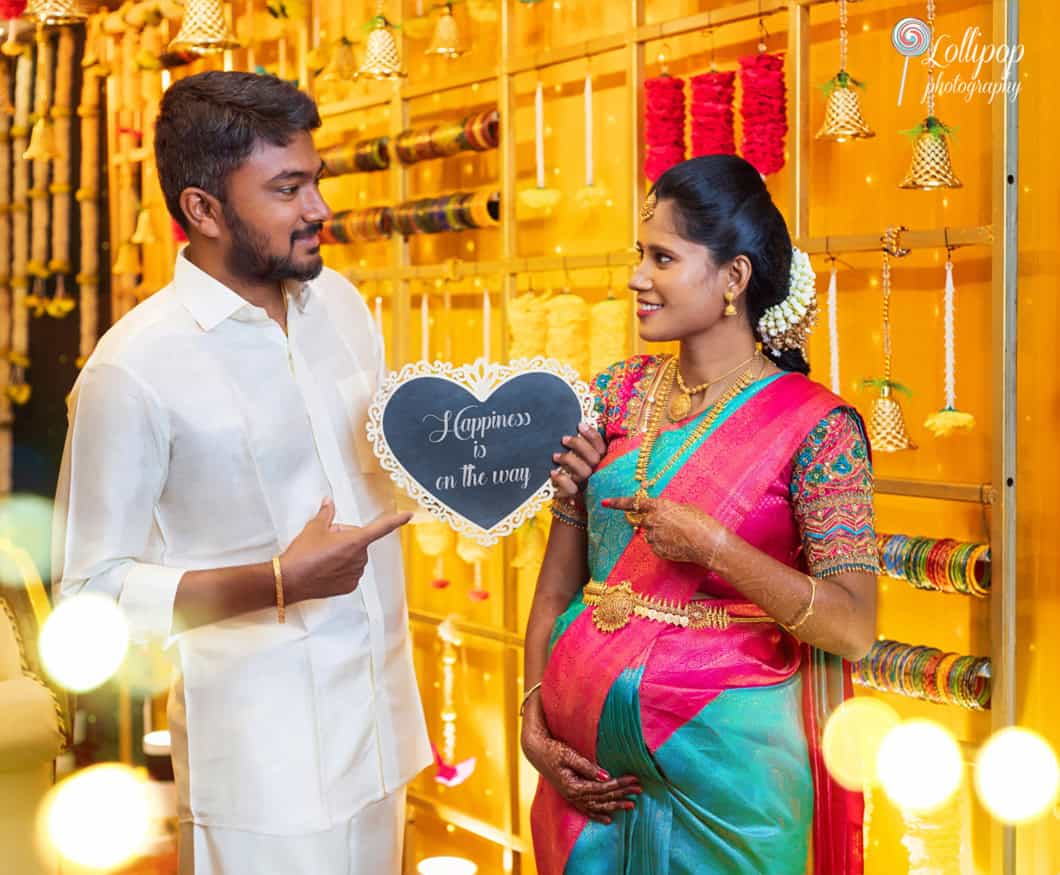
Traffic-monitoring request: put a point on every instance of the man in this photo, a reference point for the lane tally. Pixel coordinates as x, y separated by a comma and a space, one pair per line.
210, 424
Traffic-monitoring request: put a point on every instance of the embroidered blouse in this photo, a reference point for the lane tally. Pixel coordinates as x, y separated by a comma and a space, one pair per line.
830, 485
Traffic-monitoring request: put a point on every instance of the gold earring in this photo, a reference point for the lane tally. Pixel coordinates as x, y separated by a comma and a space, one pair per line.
730, 296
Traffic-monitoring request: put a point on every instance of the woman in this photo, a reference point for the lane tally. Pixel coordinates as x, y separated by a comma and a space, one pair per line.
728, 539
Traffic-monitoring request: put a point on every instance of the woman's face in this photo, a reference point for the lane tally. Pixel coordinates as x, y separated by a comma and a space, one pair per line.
680, 290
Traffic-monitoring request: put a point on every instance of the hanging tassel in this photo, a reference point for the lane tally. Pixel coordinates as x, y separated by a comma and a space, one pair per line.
833, 329
763, 109
949, 419
128, 261
41, 142
144, 234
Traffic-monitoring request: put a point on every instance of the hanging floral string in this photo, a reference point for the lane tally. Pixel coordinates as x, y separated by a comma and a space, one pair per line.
18, 389
5, 277
41, 150
88, 193
527, 326
833, 328
589, 195
61, 190
608, 334
763, 110
447, 772
664, 124
568, 326
949, 419
712, 113
539, 197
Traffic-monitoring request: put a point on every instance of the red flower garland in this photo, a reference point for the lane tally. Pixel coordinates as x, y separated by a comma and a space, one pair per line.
664, 124
11, 9
712, 114
763, 109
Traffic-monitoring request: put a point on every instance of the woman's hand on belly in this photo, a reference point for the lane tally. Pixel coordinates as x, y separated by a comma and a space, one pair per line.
583, 784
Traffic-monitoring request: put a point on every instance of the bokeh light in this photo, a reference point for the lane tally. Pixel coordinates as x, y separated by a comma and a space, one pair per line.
98, 817
446, 866
919, 766
83, 641
25, 522
1016, 775
852, 739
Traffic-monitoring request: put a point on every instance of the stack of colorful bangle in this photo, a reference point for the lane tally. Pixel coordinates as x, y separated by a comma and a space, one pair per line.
451, 212
348, 226
365, 156
926, 673
941, 565
476, 133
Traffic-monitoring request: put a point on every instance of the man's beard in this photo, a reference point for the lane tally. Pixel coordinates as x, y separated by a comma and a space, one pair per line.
250, 259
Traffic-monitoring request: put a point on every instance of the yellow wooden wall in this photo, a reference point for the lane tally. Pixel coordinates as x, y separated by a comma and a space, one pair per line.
852, 189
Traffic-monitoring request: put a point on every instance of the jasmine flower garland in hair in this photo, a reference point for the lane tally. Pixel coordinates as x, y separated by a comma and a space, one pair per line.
787, 324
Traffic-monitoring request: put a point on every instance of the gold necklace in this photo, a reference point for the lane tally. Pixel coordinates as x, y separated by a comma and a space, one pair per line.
636, 516
681, 402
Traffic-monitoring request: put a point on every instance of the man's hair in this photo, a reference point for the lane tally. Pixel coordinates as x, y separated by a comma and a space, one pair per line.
208, 124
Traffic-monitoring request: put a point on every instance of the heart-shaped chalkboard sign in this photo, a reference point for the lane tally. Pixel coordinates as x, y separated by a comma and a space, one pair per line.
473, 444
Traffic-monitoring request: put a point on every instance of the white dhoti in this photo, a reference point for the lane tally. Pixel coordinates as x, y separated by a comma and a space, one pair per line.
370, 843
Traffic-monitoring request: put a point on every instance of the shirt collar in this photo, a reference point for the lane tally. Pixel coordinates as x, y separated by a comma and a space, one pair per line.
211, 302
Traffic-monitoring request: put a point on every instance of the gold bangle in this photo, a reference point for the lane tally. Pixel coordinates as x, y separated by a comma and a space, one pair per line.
277, 573
808, 611
527, 695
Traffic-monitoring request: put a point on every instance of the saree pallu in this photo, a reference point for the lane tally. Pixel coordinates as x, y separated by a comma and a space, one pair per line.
720, 726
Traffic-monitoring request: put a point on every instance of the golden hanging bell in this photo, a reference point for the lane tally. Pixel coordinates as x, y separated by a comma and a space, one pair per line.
887, 432
41, 142
51, 13
342, 65
128, 261
204, 29
381, 60
931, 166
144, 233
842, 117
446, 40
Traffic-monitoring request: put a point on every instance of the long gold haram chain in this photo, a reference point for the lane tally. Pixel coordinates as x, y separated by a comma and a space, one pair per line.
636, 517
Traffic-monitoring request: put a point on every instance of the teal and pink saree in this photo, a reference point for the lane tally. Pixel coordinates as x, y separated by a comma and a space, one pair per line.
720, 726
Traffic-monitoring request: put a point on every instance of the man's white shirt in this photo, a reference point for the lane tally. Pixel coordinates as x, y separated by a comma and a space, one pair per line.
200, 437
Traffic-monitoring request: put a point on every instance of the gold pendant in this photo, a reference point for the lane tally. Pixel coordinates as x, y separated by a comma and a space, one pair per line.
636, 516
614, 609
680, 406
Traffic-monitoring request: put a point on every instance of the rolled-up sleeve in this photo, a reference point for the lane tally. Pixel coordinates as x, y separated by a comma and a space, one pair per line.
113, 471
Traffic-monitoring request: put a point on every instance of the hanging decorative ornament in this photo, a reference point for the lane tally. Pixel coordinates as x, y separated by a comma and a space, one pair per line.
41, 150
41, 142
842, 115
446, 41
527, 326
763, 107
5, 280
949, 419
88, 201
664, 121
712, 110
340, 72
18, 388
609, 333
568, 326
61, 264
128, 261
539, 197
434, 539
712, 113
204, 29
887, 430
11, 11
931, 167
591, 195
144, 234
381, 59
474, 554
52, 13
450, 775
833, 328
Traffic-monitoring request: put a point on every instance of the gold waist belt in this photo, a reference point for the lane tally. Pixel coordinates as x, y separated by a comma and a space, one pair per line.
614, 606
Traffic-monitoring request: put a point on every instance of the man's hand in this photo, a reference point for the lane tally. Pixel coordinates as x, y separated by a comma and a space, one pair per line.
328, 559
